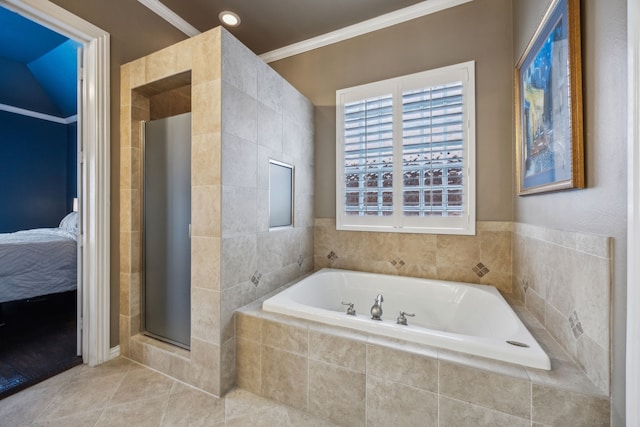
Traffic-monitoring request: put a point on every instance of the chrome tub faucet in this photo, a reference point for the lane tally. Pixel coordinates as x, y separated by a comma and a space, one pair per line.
376, 309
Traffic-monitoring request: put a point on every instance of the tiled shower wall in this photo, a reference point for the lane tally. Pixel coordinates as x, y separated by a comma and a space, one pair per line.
243, 113
564, 279
263, 117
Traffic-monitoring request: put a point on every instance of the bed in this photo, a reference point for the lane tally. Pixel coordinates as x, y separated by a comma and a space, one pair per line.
39, 262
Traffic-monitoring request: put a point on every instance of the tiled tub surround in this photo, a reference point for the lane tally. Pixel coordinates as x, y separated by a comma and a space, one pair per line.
484, 258
243, 113
564, 279
356, 379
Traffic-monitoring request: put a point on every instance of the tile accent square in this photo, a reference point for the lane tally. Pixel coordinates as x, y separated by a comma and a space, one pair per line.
256, 277
397, 262
480, 269
576, 326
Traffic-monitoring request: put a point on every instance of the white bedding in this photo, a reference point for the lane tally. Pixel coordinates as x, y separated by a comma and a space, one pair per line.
37, 262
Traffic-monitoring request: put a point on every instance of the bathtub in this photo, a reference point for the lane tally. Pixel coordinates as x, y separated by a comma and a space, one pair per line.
468, 318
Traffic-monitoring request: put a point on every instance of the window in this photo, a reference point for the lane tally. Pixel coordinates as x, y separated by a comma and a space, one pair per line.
280, 194
405, 155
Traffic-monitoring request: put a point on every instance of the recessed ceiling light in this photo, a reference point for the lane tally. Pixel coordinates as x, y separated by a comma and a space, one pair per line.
229, 18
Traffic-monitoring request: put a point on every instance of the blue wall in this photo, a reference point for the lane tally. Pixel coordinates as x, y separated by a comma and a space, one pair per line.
36, 174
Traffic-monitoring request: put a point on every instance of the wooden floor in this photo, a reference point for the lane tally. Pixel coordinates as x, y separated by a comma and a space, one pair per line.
37, 341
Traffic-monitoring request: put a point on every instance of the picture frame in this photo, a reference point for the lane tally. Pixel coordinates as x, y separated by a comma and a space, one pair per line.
548, 104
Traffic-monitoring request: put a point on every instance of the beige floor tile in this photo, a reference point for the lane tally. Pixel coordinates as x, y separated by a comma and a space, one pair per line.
192, 408
239, 403
123, 393
141, 413
141, 384
273, 417
24, 407
82, 419
81, 395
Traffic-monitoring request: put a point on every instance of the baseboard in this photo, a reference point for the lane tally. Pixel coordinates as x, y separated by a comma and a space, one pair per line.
114, 352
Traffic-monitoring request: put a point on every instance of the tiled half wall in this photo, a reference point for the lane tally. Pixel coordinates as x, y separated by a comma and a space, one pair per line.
352, 379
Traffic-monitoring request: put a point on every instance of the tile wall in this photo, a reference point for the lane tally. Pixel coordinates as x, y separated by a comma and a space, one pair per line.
243, 113
484, 258
564, 279
263, 117
352, 379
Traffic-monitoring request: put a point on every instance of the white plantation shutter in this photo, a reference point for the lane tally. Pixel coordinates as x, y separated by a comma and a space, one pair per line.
368, 157
433, 151
406, 153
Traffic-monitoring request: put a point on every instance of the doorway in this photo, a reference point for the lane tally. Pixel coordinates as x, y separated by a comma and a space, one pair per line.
94, 171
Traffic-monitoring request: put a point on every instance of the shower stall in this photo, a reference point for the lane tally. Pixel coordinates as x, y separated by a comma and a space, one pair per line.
166, 313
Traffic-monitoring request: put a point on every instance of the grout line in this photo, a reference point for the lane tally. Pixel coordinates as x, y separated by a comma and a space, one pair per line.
166, 403
366, 384
438, 362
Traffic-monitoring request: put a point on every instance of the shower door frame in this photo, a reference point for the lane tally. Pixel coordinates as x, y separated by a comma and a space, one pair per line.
143, 302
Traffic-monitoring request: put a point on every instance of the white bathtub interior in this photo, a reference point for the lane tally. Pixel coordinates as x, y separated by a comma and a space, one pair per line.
469, 318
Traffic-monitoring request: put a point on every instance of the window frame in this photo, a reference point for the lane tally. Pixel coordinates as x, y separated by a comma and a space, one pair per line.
397, 221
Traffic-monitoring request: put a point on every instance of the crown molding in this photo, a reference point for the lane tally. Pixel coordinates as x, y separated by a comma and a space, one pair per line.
383, 21
40, 116
171, 17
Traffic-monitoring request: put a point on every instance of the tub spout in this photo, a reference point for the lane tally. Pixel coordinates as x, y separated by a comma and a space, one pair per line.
376, 309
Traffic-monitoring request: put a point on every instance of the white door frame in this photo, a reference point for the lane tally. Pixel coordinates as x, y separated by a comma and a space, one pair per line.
94, 160
633, 221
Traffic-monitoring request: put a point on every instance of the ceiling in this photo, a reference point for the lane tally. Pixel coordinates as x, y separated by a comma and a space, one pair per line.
272, 24
37, 67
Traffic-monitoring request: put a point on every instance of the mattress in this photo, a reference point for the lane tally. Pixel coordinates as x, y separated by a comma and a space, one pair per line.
37, 262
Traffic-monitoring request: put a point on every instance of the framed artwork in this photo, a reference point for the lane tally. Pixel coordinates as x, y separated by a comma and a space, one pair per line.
548, 89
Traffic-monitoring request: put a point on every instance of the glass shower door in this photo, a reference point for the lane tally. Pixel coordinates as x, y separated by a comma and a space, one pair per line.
166, 232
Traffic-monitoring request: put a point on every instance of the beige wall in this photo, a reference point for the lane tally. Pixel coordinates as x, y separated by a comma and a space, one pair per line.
135, 32
480, 31
601, 207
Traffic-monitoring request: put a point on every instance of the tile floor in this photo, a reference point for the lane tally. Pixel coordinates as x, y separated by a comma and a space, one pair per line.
123, 393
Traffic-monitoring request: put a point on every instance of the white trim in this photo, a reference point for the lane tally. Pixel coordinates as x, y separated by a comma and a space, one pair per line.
94, 127
114, 352
633, 217
40, 116
398, 222
171, 17
383, 21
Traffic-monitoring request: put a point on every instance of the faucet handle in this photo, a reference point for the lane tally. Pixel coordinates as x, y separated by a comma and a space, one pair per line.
402, 320
350, 310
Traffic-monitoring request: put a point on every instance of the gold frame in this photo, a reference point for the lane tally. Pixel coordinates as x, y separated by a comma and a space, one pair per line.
532, 145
